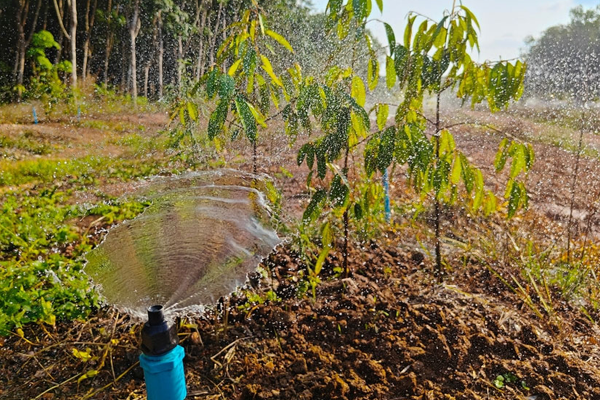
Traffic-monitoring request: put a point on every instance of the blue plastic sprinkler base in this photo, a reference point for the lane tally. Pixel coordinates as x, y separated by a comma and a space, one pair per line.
165, 379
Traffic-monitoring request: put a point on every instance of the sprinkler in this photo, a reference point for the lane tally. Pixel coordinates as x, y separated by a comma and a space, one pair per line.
162, 358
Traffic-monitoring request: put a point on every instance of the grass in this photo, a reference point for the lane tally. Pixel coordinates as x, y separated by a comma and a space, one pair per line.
25, 142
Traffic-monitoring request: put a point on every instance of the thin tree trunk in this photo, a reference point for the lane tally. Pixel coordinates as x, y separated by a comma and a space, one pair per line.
213, 36
437, 210
161, 52
73, 43
179, 61
89, 25
21, 20
346, 219
134, 29
146, 72
109, 41
201, 62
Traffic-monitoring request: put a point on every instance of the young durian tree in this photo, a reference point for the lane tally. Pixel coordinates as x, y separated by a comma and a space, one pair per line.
434, 57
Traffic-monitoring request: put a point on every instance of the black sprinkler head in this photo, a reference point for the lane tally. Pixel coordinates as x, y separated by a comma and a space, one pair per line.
157, 336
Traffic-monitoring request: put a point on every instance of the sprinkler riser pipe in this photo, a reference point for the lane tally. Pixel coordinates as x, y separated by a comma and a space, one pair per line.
162, 358
164, 375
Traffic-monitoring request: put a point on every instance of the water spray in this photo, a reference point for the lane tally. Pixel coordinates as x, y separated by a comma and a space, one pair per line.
162, 358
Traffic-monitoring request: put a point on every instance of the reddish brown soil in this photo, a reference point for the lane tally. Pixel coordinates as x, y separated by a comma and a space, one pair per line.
389, 331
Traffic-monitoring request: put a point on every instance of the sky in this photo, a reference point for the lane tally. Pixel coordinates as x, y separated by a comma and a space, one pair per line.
504, 23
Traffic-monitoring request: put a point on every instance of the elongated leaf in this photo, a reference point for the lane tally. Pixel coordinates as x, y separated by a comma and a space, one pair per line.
501, 155
479, 189
226, 86
383, 111
471, 15
269, 69
212, 83
234, 67
490, 204
247, 118
338, 194
386, 148
326, 239
192, 110
303, 152
514, 200
358, 91
280, 39
390, 72
373, 73
313, 209
380, 5
456, 171
408, 31
391, 37
217, 118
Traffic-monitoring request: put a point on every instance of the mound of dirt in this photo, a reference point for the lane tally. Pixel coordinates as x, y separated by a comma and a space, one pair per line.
387, 332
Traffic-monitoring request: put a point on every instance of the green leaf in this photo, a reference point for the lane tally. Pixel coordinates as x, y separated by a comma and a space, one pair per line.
471, 15
249, 62
334, 6
358, 91
373, 73
358, 211
386, 148
391, 38
247, 118
280, 39
327, 240
313, 209
217, 118
479, 189
515, 199
501, 155
380, 5
408, 31
226, 86
339, 192
212, 83
390, 72
305, 152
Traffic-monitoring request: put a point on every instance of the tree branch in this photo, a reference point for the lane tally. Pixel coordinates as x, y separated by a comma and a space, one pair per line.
60, 20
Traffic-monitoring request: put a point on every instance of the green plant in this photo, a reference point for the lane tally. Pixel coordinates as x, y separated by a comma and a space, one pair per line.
46, 84
432, 59
41, 277
248, 88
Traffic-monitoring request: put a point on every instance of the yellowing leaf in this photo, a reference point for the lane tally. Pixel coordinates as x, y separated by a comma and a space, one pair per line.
192, 110
280, 39
358, 91
390, 72
269, 69
234, 67
382, 115
84, 356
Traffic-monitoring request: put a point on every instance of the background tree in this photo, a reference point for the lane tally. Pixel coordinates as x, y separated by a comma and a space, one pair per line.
564, 61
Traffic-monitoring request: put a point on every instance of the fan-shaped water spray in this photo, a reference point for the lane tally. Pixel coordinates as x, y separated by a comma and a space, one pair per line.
202, 235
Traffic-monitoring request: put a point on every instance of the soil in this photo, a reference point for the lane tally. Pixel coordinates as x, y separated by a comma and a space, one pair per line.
388, 331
